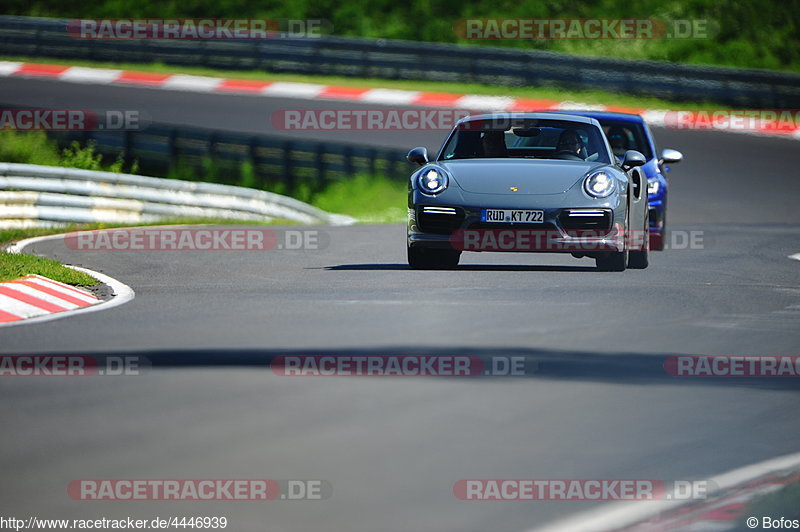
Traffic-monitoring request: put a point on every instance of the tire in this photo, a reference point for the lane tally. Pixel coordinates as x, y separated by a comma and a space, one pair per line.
612, 261
615, 261
660, 242
420, 258
640, 259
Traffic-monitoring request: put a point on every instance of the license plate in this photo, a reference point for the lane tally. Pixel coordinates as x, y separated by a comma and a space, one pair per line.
512, 216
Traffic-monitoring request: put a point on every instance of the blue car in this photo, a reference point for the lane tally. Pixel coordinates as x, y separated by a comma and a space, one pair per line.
630, 132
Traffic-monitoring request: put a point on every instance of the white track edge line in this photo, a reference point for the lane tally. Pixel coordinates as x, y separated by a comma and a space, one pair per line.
122, 292
629, 513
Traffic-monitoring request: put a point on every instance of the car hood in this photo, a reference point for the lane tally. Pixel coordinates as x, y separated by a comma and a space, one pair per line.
529, 176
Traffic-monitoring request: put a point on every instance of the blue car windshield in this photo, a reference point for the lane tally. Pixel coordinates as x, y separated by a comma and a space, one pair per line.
623, 136
527, 138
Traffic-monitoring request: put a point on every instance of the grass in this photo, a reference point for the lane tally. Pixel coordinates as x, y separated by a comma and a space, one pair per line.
13, 266
35, 147
538, 93
370, 199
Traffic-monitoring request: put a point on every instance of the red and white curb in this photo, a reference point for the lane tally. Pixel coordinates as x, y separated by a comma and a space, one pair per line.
392, 97
35, 299
34, 295
721, 511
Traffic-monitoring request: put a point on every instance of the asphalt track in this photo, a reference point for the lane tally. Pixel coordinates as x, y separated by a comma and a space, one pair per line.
598, 405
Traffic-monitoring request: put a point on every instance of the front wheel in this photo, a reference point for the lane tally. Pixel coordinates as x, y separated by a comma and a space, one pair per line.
420, 258
612, 261
640, 259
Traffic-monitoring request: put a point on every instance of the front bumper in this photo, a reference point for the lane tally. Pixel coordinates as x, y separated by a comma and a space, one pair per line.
581, 230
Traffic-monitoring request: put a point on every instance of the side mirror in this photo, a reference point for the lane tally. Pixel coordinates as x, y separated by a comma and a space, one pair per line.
669, 156
632, 158
418, 155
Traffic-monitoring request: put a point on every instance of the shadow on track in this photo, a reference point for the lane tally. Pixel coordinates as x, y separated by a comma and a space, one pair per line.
468, 267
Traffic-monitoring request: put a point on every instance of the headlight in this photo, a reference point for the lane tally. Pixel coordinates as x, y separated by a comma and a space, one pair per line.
599, 185
432, 181
653, 187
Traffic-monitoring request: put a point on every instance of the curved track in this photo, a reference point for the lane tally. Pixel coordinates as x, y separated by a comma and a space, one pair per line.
599, 406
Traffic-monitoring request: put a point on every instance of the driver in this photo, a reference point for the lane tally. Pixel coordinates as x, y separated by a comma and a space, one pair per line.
570, 143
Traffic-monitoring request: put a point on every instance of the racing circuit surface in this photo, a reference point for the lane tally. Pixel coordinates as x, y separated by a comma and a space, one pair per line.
600, 405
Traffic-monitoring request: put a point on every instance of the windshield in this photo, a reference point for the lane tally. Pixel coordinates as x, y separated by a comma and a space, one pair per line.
528, 138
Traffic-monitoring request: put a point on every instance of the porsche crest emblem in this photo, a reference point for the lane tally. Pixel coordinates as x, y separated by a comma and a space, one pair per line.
513, 189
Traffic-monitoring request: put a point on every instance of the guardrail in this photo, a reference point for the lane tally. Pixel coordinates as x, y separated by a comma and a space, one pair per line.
32, 195
393, 59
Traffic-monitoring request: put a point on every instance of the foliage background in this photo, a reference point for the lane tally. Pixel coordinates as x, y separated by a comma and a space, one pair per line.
752, 34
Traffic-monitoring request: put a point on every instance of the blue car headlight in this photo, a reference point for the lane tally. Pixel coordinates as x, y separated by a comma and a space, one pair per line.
599, 185
432, 181
653, 186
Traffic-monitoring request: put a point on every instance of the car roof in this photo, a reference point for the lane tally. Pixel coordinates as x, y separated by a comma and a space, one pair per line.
546, 115
602, 115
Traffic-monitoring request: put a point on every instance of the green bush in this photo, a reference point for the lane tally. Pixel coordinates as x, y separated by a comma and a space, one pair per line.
35, 147
28, 148
750, 34
84, 158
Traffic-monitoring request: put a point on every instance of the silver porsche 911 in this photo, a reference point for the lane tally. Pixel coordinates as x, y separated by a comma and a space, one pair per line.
527, 182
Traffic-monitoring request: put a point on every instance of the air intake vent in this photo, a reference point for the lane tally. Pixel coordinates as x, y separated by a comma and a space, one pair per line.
439, 220
586, 219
